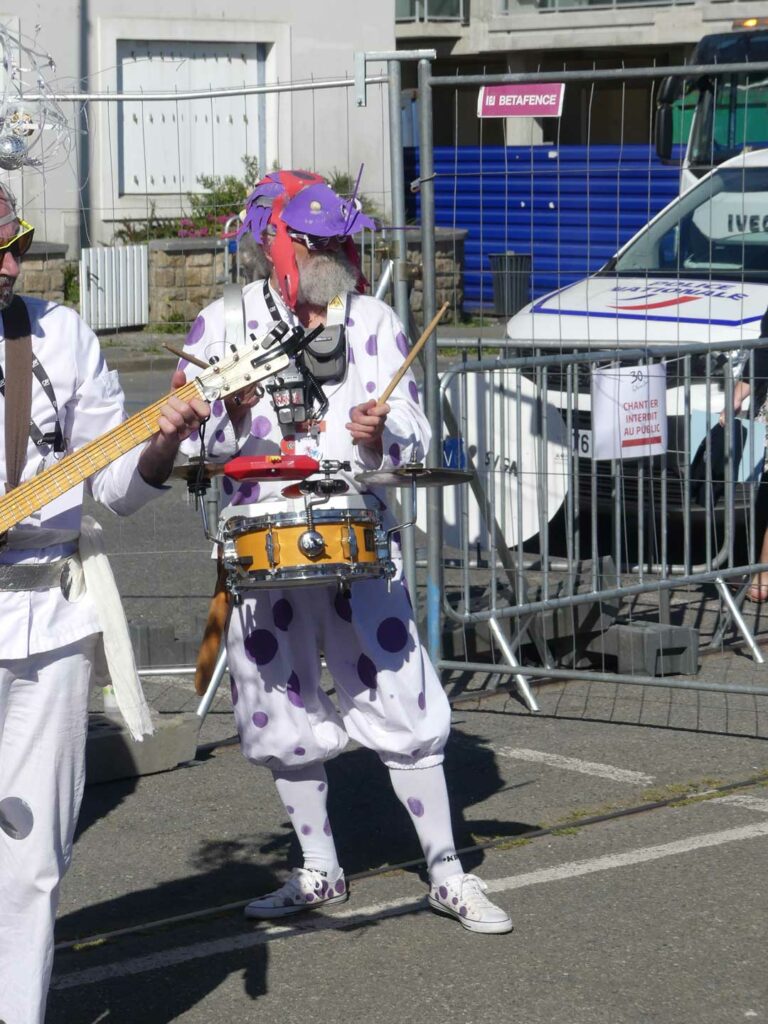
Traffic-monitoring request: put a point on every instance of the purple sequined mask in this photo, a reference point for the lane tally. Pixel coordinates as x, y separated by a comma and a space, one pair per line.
301, 204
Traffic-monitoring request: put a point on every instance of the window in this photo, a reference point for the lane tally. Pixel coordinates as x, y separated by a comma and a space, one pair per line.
569, 5
720, 227
165, 145
429, 10
732, 116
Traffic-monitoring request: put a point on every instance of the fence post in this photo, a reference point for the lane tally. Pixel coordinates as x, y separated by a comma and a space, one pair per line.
431, 381
400, 293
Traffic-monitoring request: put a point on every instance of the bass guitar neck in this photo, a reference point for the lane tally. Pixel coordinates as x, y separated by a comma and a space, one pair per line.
73, 469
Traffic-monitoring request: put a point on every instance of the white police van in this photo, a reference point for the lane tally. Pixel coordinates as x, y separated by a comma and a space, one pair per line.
697, 272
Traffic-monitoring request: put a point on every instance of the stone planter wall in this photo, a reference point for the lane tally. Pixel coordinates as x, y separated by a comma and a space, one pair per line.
185, 274
42, 272
449, 269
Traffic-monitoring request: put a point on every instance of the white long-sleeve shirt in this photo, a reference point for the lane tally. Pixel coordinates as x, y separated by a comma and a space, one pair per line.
376, 347
90, 402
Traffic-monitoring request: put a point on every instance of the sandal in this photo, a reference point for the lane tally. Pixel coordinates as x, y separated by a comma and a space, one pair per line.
757, 592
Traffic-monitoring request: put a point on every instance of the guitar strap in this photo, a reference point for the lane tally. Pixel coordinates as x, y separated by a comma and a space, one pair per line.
18, 391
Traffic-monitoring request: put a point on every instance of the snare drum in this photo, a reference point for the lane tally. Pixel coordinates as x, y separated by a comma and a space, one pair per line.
284, 550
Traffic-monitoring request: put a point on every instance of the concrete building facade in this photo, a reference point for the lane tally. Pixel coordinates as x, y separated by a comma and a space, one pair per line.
136, 158
496, 36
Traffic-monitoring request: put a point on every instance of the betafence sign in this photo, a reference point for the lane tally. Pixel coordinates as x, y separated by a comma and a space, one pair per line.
629, 411
540, 100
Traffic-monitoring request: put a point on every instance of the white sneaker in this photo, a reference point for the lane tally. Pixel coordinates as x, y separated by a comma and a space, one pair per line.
305, 889
463, 897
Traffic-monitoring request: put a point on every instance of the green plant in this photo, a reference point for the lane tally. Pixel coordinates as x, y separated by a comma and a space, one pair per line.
220, 199
71, 283
343, 183
134, 232
174, 322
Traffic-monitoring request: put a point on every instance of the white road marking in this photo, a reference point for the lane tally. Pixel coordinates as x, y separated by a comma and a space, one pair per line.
754, 803
200, 950
574, 869
575, 764
356, 916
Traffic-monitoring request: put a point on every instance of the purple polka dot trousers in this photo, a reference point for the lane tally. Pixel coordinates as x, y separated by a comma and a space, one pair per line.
388, 696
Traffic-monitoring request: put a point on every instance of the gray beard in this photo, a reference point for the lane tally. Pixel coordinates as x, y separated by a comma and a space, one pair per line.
6, 291
324, 276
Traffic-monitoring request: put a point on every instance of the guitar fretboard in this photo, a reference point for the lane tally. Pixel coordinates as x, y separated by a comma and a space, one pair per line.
70, 471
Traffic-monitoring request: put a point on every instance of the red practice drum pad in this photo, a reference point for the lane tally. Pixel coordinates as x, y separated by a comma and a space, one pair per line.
271, 467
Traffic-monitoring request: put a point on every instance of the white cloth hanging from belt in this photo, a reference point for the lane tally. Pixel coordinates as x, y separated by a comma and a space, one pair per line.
116, 642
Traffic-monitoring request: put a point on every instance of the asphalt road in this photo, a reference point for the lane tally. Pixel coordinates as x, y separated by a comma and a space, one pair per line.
657, 916
628, 831
160, 557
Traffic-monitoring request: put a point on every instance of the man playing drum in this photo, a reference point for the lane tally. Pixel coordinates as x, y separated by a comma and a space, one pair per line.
389, 696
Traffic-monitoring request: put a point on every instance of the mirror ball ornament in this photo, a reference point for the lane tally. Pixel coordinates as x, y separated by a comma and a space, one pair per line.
34, 132
12, 152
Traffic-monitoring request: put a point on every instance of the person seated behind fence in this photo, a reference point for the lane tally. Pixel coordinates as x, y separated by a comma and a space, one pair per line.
756, 372
389, 696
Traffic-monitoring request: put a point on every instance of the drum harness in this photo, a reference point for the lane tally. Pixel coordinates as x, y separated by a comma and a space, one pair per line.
322, 360
298, 399
294, 390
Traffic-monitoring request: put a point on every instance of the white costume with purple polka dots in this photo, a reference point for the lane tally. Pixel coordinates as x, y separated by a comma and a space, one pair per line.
376, 348
388, 695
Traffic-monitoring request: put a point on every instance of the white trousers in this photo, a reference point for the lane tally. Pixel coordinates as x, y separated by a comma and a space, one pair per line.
43, 727
388, 694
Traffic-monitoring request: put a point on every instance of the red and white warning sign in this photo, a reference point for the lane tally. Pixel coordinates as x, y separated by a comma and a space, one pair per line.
540, 100
629, 404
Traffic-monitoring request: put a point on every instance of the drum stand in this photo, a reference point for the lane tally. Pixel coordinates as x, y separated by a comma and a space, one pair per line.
203, 485
217, 675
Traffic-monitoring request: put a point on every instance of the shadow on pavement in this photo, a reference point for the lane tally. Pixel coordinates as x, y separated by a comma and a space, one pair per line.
372, 831
100, 799
159, 996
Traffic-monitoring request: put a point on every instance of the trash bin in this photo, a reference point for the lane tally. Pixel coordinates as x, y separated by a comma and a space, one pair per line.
511, 275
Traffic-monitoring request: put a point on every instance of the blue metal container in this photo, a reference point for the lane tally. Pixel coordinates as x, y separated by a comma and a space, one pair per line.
568, 207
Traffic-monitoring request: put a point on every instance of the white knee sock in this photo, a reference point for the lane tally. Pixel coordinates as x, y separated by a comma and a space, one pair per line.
423, 793
304, 794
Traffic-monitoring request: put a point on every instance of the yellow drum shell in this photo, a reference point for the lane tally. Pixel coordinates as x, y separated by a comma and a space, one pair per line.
268, 550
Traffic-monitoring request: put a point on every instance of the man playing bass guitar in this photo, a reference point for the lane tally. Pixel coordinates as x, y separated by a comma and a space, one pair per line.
49, 624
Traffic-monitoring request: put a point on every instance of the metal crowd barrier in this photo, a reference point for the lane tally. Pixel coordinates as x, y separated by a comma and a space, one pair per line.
565, 565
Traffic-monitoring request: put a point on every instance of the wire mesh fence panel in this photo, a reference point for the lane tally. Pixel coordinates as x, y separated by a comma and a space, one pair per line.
599, 556
599, 565
167, 163
532, 218
163, 177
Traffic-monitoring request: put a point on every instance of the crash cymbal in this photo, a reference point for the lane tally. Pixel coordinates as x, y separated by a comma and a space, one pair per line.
414, 472
189, 470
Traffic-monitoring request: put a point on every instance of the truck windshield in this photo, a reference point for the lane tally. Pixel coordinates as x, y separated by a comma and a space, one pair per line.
732, 111
717, 229
732, 115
